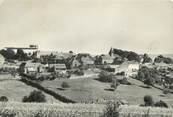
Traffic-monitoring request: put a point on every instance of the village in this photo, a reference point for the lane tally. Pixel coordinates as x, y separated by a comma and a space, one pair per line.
87, 78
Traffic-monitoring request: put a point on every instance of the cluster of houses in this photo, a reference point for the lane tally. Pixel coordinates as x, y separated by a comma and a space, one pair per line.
62, 62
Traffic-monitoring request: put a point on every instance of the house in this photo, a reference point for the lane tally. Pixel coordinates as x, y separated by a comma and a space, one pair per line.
82, 59
57, 67
2, 59
27, 67
132, 70
107, 59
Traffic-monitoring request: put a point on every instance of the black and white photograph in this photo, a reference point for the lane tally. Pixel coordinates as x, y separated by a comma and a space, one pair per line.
86, 58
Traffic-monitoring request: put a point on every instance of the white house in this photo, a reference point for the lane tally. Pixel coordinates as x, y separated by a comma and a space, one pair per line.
132, 70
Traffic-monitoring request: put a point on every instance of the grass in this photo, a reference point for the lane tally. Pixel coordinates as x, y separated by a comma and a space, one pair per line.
15, 90
77, 110
51, 110
136, 111
88, 90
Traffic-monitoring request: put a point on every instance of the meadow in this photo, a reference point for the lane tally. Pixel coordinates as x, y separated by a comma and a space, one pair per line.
90, 90
15, 90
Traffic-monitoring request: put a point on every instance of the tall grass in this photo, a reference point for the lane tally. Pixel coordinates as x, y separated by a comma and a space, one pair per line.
13, 109
136, 111
50, 110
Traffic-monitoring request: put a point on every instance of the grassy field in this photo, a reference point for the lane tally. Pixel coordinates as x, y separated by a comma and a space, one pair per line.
88, 90
50, 110
15, 90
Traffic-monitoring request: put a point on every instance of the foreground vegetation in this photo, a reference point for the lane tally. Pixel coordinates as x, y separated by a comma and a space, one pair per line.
79, 110
50, 110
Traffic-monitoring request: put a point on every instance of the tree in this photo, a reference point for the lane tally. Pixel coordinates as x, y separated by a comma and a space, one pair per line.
35, 96
163, 59
149, 82
3, 99
146, 59
114, 84
125, 54
148, 100
20, 55
112, 109
161, 104
8, 54
105, 76
147, 75
71, 52
65, 85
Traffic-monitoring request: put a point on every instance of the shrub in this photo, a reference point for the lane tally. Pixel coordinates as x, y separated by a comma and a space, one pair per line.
3, 99
108, 69
124, 81
161, 104
166, 91
106, 77
65, 85
120, 73
79, 72
114, 84
146, 59
148, 75
148, 100
149, 82
112, 109
35, 96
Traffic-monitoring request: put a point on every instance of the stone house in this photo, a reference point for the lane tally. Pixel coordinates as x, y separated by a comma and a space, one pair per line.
81, 59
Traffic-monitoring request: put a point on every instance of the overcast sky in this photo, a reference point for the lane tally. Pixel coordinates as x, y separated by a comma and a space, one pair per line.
88, 25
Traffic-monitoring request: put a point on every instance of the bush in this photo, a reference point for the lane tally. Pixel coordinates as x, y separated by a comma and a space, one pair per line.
148, 75
121, 73
3, 99
108, 69
65, 85
79, 72
112, 109
166, 91
35, 96
114, 84
124, 81
161, 104
148, 100
106, 77
149, 82
146, 59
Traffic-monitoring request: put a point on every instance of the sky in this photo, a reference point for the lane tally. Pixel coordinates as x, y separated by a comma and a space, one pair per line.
89, 26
